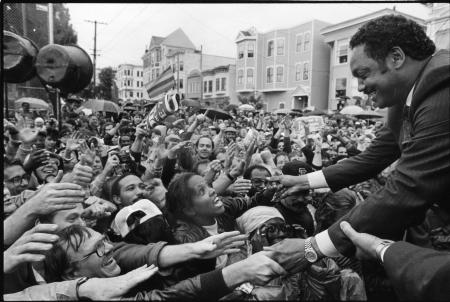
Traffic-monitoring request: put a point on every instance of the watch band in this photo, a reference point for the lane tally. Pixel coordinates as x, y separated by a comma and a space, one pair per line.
230, 177
79, 282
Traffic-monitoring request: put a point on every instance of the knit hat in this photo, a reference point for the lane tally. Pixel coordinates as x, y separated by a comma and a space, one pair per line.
255, 217
296, 168
143, 209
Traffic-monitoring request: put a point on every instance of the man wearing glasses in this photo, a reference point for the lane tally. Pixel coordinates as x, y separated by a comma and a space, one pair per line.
15, 177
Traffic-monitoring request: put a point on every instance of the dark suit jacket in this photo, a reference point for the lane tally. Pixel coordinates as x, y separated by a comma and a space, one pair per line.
418, 273
422, 175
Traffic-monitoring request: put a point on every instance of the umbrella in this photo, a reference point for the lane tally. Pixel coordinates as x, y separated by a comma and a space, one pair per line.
190, 103
246, 107
352, 110
100, 106
281, 111
368, 115
34, 103
217, 114
87, 111
315, 112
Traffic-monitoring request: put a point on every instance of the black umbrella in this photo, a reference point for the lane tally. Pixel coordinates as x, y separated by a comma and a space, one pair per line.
217, 114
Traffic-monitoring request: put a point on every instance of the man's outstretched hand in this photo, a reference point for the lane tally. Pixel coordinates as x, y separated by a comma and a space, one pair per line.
366, 244
290, 254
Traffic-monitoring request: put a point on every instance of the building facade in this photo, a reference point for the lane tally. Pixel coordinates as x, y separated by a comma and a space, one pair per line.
438, 28
215, 87
130, 82
337, 36
179, 53
288, 67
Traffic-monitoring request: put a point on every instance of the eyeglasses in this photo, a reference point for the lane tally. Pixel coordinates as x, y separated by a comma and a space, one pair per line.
18, 180
100, 250
259, 181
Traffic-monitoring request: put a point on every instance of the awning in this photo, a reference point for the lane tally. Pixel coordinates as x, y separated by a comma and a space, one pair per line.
301, 90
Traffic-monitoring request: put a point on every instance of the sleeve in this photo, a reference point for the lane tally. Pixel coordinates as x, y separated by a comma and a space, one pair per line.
107, 139
131, 256
418, 273
168, 171
382, 152
65, 290
208, 287
421, 177
287, 145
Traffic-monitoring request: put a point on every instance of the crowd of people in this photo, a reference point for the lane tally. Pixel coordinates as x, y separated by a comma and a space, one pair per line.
105, 207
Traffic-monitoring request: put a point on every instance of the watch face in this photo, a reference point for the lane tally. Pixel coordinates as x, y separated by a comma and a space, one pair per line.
311, 256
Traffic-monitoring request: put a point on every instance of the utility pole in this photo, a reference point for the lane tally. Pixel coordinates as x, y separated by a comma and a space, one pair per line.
95, 47
178, 72
201, 73
50, 24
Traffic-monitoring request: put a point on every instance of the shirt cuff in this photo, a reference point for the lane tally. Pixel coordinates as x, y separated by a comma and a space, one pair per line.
317, 180
325, 245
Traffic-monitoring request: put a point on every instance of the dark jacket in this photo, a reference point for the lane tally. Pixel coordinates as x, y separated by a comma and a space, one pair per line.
185, 232
422, 175
418, 273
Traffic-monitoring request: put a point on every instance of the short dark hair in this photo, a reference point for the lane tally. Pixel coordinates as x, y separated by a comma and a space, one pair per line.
179, 196
56, 261
380, 35
205, 136
115, 188
9, 163
248, 172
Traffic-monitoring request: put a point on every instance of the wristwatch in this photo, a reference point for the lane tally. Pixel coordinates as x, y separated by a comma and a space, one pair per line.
310, 253
79, 282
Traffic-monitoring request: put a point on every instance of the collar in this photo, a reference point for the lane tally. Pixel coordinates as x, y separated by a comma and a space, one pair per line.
410, 95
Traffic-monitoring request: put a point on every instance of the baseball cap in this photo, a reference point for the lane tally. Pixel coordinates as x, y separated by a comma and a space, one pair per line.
296, 168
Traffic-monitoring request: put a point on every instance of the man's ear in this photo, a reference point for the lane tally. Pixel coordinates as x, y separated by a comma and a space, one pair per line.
396, 57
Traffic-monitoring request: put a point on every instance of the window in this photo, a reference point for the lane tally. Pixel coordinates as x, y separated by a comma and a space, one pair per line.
224, 84
131, 94
205, 86
217, 84
305, 71
129, 83
181, 83
270, 75
250, 76
342, 51
298, 72
240, 76
280, 74
241, 51
298, 44
137, 83
280, 47
270, 47
210, 84
281, 105
250, 50
306, 42
341, 87
158, 55
181, 65
157, 72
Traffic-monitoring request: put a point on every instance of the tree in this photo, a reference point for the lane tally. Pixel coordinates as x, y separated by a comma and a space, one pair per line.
106, 79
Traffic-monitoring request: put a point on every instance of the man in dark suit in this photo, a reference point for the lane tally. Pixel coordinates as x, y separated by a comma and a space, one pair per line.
396, 65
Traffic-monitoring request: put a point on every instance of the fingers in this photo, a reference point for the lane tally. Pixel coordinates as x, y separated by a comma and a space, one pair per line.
59, 176
230, 251
63, 186
33, 246
42, 237
349, 231
275, 178
43, 228
275, 267
225, 235
24, 258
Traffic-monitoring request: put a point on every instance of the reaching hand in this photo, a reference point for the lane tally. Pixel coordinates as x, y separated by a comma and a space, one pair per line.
30, 247
258, 269
36, 159
296, 183
366, 244
240, 186
216, 245
116, 287
289, 253
55, 197
173, 152
237, 169
99, 209
112, 162
213, 168
81, 175
28, 135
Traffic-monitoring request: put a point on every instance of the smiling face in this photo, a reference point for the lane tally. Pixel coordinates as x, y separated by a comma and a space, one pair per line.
132, 189
47, 171
204, 148
94, 265
205, 202
379, 80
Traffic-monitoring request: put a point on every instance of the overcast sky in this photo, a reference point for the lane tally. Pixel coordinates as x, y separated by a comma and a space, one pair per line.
215, 26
